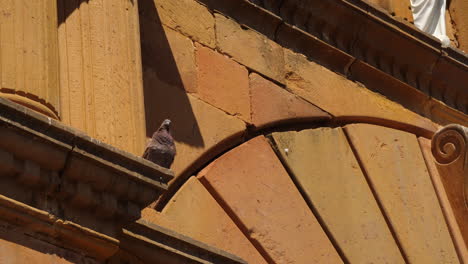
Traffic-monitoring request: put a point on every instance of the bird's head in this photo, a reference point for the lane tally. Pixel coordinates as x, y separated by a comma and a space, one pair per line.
166, 125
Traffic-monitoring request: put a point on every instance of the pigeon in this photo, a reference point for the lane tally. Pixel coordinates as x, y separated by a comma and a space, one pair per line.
161, 148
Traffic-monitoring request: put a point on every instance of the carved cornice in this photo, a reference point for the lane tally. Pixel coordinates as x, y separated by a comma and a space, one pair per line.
378, 39
368, 45
76, 180
450, 148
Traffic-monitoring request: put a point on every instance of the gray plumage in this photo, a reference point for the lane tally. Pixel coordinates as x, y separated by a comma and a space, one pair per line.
161, 148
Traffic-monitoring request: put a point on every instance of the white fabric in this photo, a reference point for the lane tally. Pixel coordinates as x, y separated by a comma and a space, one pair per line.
429, 16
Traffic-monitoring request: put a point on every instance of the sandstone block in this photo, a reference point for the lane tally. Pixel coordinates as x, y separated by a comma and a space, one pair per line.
305, 43
250, 48
272, 104
195, 213
324, 165
396, 170
170, 54
459, 15
223, 82
196, 125
253, 184
189, 17
345, 99
247, 13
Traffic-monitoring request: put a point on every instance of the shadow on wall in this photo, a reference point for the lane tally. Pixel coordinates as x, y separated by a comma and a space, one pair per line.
16, 247
66, 7
164, 92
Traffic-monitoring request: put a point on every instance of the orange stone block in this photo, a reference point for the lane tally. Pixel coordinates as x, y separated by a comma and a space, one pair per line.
187, 16
170, 54
396, 170
347, 100
193, 212
250, 48
195, 124
324, 166
272, 104
255, 187
223, 82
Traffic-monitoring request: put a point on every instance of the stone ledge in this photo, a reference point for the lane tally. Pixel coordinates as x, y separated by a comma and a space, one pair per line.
150, 241
33, 221
85, 179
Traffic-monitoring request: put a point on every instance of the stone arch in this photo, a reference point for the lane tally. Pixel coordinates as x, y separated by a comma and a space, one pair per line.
337, 209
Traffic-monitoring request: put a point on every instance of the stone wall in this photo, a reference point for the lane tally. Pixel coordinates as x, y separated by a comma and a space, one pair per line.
257, 104
227, 74
201, 68
458, 11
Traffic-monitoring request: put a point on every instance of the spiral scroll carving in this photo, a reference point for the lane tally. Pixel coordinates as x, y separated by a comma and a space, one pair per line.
450, 144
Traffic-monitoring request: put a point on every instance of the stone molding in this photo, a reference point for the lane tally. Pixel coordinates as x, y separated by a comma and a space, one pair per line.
388, 55
53, 230
450, 148
149, 241
77, 182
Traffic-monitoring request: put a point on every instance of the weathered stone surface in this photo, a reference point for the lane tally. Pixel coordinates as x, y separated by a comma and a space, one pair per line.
344, 98
101, 89
223, 82
253, 184
195, 213
396, 170
272, 104
23, 249
250, 48
247, 13
300, 41
187, 16
448, 82
449, 150
155, 243
442, 194
195, 124
458, 11
28, 55
169, 53
392, 88
324, 165
397, 8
